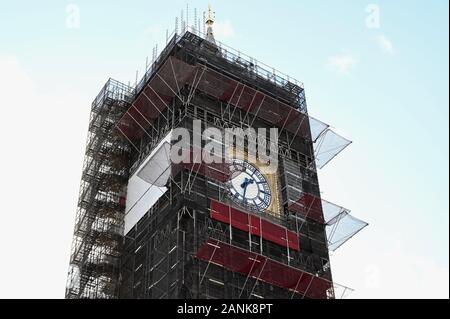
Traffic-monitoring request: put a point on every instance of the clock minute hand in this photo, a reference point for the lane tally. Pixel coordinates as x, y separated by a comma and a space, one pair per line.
245, 184
245, 190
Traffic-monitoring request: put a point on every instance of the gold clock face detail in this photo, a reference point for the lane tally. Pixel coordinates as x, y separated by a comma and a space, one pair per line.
249, 187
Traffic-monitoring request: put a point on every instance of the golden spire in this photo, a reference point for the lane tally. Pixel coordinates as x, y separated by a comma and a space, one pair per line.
209, 22
210, 19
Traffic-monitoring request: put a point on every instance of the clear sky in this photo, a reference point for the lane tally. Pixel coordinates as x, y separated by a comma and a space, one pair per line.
383, 85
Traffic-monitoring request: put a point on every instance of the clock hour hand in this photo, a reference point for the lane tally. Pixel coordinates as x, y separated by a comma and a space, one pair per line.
245, 184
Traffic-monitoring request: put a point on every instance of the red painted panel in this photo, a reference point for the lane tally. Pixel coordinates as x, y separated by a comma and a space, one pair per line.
293, 241
309, 206
220, 212
274, 233
255, 225
239, 219
263, 268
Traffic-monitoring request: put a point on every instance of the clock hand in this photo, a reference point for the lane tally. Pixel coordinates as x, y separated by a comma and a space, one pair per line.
245, 183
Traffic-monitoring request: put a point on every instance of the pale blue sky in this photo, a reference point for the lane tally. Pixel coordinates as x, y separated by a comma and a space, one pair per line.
386, 89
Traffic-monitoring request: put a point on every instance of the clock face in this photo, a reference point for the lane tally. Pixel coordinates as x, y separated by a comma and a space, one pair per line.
248, 187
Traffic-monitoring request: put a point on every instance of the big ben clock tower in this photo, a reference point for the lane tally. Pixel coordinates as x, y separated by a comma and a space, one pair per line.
148, 227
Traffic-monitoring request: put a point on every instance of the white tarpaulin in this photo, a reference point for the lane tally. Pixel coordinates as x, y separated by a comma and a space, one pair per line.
156, 170
147, 185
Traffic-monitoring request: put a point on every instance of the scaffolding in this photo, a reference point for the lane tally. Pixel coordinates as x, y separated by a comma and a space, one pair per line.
94, 263
194, 242
190, 255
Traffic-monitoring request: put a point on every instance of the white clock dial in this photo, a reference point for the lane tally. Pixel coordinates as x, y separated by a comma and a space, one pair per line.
248, 187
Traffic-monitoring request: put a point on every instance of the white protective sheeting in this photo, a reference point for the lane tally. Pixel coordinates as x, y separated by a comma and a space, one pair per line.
328, 145
156, 170
147, 185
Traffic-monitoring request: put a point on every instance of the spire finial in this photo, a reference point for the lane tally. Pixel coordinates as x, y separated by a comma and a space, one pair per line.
210, 20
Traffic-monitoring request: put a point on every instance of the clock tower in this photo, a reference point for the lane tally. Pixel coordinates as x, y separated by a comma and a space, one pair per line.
151, 227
